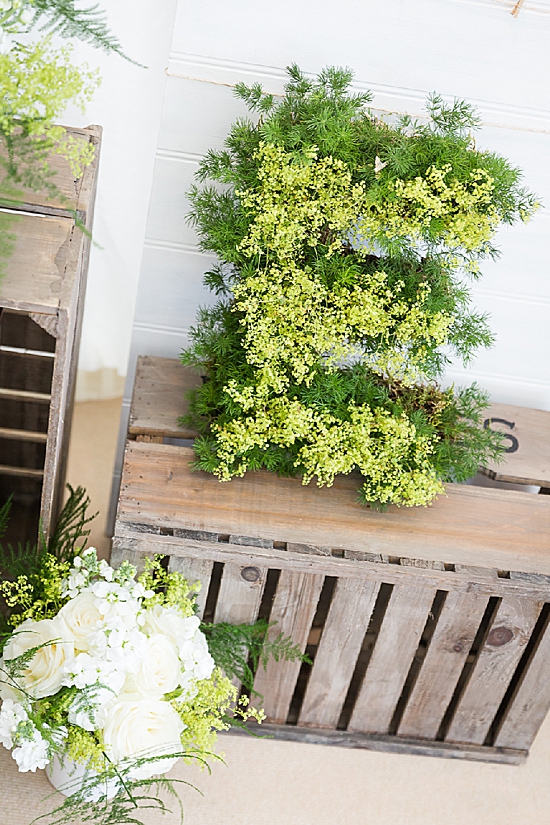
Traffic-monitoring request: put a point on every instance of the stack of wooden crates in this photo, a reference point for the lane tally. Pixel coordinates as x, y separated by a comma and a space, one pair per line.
41, 305
428, 628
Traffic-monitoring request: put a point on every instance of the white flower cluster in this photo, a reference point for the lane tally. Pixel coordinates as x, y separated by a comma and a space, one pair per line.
31, 751
122, 657
14, 16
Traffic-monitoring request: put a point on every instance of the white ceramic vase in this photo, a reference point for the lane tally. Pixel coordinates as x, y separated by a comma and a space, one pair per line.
67, 776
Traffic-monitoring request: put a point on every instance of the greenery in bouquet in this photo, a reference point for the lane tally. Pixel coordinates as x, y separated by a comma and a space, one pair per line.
112, 675
346, 244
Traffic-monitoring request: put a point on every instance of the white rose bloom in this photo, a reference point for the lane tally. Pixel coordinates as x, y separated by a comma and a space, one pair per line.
136, 727
11, 714
159, 670
169, 622
83, 617
92, 718
44, 673
31, 754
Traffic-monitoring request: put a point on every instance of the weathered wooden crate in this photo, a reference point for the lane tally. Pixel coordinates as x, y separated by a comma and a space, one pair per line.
428, 627
41, 307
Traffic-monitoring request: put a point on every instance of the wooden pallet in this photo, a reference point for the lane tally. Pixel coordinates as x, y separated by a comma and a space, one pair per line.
41, 306
428, 627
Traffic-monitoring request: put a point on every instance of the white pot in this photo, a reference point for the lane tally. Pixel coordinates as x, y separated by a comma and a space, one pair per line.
67, 776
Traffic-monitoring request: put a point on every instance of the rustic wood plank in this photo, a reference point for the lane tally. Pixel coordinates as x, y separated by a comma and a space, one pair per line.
194, 570
23, 435
391, 658
384, 744
240, 594
26, 395
33, 275
478, 526
529, 437
445, 658
495, 665
531, 700
293, 610
142, 536
347, 621
23, 472
159, 397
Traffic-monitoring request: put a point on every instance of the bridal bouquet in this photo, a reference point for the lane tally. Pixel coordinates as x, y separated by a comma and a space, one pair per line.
109, 676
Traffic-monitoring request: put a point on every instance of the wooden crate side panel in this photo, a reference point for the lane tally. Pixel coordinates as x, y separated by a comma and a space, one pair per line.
493, 670
492, 528
293, 610
443, 664
347, 621
194, 570
531, 702
397, 642
158, 398
528, 438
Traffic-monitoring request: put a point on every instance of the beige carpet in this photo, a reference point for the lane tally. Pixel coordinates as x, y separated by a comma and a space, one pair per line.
281, 783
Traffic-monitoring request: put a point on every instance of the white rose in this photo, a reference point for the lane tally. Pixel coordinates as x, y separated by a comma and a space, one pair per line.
169, 622
159, 670
136, 727
44, 673
83, 618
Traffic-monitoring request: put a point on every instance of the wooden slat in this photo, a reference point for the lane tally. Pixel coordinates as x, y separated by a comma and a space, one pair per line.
23, 472
142, 537
343, 634
159, 397
33, 277
23, 435
531, 701
293, 611
445, 658
25, 395
397, 642
469, 525
194, 570
239, 599
383, 744
495, 665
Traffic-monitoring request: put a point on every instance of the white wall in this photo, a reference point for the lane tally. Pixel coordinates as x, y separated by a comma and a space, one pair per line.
129, 106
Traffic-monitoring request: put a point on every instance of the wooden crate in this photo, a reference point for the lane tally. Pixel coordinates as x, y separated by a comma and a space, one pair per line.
41, 306
428, 627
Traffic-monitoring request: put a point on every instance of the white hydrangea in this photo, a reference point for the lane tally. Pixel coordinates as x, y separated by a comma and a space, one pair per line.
31, 753
11, 714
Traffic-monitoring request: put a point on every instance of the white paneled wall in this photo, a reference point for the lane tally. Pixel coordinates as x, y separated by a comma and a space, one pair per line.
401, 51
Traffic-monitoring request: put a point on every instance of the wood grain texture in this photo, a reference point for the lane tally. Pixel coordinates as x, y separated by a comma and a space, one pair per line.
530, 464
347, 621
391, 659
493, 670
531, 700
445, 658
159, 399
477, 526
194, 570
142, 537
239, 599
385, 744
293, 610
